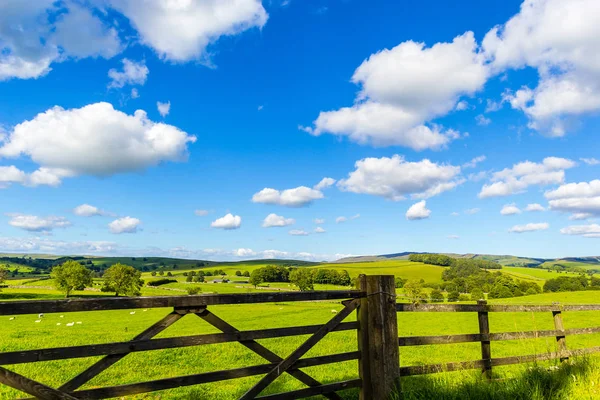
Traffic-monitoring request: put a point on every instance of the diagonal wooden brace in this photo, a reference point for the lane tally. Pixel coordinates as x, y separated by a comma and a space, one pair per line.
110, 360
262, 351
285, 365
29, 386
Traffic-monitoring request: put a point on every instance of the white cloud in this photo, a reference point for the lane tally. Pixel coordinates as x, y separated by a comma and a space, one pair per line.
510, 209
394, 178
454, 214
134, 73
163, 108
582, 199
228, 222
298, 232
325, 183
522, 175
355, 216
277, 220
339, 220
124, 225
557, 37
482, 120
529, 227
297, 197
33, 223
183, 30
260, 107
418, 211
473, 163
35, 34
589, 231
453, 237
461, 105
492, 106
534, 207
135, 93
49, 246
590, 161
472, 211
318, 229
86, 210
319, 221
67, 143
404, 88
580, 216
244, 252
201, 213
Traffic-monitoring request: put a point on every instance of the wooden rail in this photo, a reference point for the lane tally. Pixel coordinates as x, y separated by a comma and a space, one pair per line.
182, 306
485, 337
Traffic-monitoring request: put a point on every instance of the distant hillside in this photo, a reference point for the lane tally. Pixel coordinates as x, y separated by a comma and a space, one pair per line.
506, 260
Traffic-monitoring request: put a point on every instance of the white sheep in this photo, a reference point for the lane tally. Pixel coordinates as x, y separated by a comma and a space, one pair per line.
58, 324
11, 318
133, 312
38, 320
334, 311
71, 324
145, 310
62, 316
78, 322
40, 316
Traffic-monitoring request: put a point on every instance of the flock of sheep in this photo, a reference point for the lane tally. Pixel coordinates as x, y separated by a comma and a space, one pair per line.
41, 318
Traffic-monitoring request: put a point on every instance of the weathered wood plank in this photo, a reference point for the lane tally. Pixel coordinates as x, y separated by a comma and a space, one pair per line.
60, 353
560, 338
284, 365
196, 379
313, 391
403, 307
32, 387
110, 360
261, 350
457, 366
364, 367
486, 348
121, 303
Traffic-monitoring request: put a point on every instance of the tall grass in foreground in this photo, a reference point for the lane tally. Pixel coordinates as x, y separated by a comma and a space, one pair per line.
578, 379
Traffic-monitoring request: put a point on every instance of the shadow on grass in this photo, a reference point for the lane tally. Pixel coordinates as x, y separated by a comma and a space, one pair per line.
534, 383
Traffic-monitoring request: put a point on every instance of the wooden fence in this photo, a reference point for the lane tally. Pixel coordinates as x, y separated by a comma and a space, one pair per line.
377, 336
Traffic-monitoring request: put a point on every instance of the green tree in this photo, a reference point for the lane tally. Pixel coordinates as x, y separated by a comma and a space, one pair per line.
153, 273
199, 278
477, 294
453, 296
414, 291
246, 274
193, 290
436, 296
71, 276
302, 278
3, 274
122, 279
256, 277
189, 278
238, 273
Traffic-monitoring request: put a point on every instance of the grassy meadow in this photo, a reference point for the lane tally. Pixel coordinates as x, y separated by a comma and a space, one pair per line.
23, 333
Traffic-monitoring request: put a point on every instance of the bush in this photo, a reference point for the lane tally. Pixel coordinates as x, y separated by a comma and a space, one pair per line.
159, 282
477, 294
436, 296
238, 273
464, 297
453, 296
189, 278
193, 290
246, 274
400, 283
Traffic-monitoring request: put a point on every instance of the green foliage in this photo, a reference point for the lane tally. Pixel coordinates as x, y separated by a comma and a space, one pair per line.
238, 273
193, 290
159, 282
464, 297
567, 284
246, 274
436, 296
153, 273
453, 296
189, 278
199, 278
477, 294
400, 282
414, 291
3, 274
71, 276
122, 279
303, 278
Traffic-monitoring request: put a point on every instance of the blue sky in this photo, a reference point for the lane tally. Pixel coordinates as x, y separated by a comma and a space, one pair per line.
438, 127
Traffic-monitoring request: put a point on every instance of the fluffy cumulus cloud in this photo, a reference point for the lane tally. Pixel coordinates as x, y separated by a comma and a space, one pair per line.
241, 252
590, 161
133, 73
581, 199
124, 225
510, 209
86, 210
340, 220
183, 30
49, 246
325, 183
522, 175
274, 220
163, 108
559, 39
67, 143
534, 207
33, 223
404, 88
395, 178
227, 222
589, 231
473, 163
318, 229
319, 221
418, 211
36, 34
297, 197
531, 227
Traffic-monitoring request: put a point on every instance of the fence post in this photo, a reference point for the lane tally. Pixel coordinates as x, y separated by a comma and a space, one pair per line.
486, 348
558, 325
379, 365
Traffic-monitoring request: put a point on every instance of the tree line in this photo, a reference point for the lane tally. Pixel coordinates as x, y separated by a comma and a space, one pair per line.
572, 284
303, 278
447, 261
